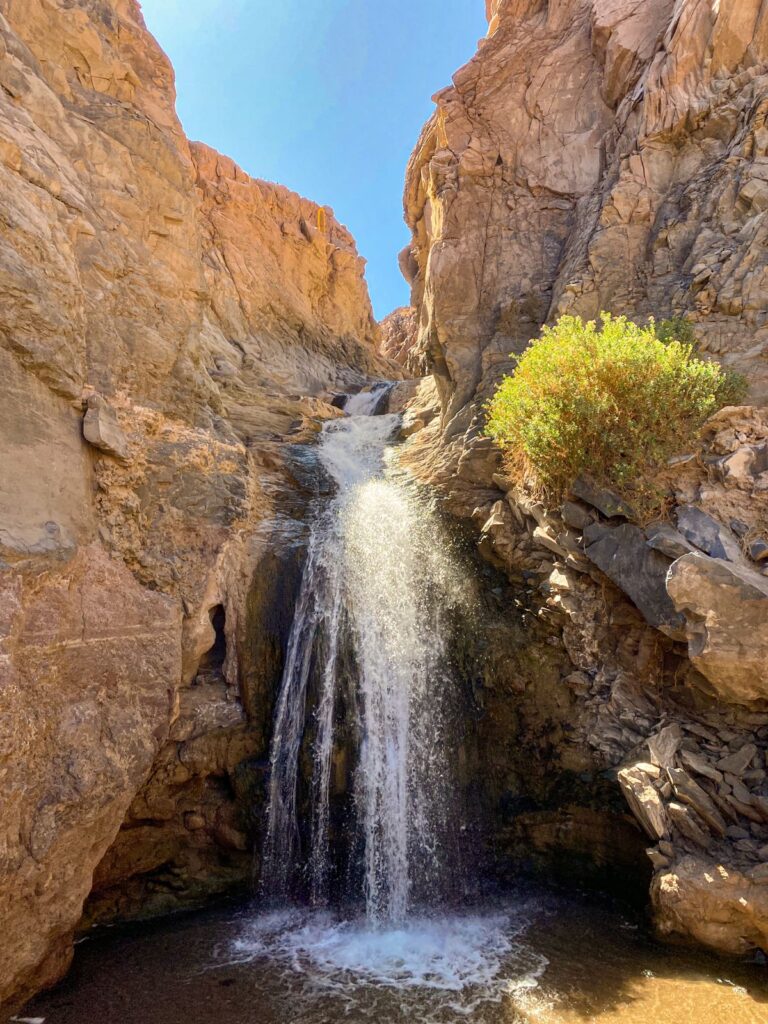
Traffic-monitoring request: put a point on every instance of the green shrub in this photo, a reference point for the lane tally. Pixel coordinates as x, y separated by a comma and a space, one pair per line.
675, 329
613, 402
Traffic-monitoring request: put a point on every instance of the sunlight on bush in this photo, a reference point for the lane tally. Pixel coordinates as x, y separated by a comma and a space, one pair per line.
613, 401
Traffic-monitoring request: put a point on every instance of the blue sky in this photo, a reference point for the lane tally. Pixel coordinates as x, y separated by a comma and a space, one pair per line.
325, 96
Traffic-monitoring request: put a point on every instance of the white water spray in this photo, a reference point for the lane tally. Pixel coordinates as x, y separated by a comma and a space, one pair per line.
375, 588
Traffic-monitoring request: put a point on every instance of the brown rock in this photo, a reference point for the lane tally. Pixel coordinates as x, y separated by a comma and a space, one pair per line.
692, 794
101, 429
726, 611
90, 658
664, 745
399, 336
719, 907
205, 313
688, 824
738, 763
644, 801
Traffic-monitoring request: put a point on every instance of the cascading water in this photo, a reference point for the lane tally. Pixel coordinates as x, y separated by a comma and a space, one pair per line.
362, 757
376, 589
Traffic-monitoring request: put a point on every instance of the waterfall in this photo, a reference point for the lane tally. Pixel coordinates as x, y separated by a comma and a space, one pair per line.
367, 643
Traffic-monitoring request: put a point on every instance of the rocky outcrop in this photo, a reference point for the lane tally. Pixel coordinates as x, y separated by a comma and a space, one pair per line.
595, 154
90, 664
169, 327
609, 155
628, 668
399, 334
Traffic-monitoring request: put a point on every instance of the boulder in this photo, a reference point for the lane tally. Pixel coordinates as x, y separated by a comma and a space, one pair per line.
717, 906
725, 609
707, 534
622, 553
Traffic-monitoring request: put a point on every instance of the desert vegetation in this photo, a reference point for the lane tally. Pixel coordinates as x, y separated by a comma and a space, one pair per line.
611, 399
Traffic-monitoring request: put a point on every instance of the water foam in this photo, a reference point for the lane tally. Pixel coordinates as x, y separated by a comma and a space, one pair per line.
442, 967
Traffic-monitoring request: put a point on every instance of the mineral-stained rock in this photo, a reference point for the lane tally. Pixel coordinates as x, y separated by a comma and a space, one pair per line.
623, 555
726, 616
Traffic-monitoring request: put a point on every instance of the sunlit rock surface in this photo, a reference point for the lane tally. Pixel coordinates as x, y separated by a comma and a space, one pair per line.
168, 326
607, 155
595, 154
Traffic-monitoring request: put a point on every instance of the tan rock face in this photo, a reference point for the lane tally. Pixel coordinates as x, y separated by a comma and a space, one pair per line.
595, 154
608, 155
90, 660
399, 335
166, 324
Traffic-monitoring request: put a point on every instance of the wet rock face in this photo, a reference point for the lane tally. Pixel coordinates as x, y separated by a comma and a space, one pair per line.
167, 324
595, 154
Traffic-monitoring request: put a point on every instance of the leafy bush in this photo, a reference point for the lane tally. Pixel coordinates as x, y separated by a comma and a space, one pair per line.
675, 329
613, 402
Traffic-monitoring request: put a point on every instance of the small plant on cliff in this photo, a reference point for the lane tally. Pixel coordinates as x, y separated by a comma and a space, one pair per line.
610, 400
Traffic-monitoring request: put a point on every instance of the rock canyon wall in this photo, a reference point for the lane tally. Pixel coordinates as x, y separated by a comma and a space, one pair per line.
595, 154
611, 155
172, 333
169, 328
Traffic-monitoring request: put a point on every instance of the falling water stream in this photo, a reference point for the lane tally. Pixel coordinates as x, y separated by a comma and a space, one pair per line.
367, 635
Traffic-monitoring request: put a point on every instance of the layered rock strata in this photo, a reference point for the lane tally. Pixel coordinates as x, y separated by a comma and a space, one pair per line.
168, 328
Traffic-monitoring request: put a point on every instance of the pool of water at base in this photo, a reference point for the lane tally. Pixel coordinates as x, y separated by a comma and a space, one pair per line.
537, 957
